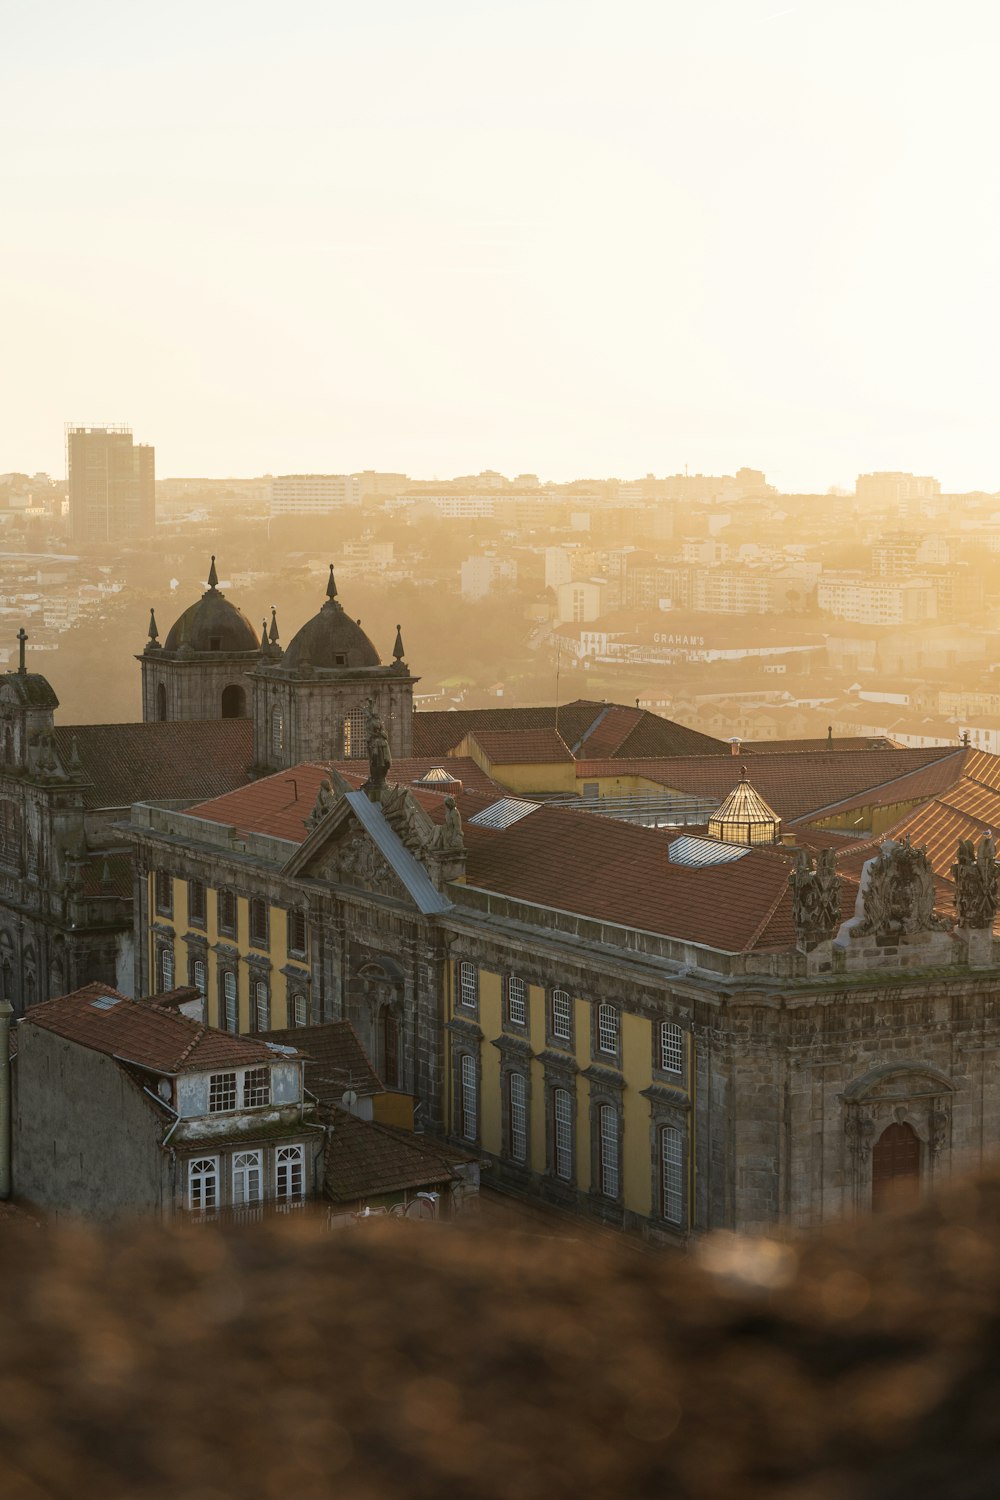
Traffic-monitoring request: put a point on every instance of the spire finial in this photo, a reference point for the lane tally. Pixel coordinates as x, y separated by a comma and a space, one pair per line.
331, 585
397, 650
743, 773
213, 577
273, 633
263, 635
154, 634
22, 636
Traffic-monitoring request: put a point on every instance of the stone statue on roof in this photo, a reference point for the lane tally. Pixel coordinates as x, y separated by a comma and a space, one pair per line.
975, 875
449, 835
326, 799
899, 896
815, 895
379, 755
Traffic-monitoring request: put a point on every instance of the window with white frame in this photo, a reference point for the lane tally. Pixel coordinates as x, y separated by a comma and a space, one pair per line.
262, 1005
203, 1184
518, 1101
671, 1047
221, 1092
248, 1177
609, 1150
256, 1087
469, 1098
198, 976
562, 1114
166, 968
672, 1174
607, 1029
561, 1006
230, 1002
468, 985
289, 1172
517, 1000
300, 1010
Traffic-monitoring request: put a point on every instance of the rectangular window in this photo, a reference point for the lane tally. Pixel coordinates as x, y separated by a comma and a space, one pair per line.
297, 933
300, 1011
258, 922
562, 1016
164, 893
197, 906
221, 1092
608, 1124
607, 1029
289, 1172
256, 1087
230, 1002
261, 1005
517, 998
518, 1100
248, 1177
671, 1048
226, 901
468, 986
203, 1184
562, 1111
672, 1170
470, 1098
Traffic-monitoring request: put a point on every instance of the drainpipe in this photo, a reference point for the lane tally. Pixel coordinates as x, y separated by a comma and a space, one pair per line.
6, 1011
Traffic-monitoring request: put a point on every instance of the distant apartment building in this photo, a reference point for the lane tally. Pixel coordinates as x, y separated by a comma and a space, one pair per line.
481, 575
877, 601
889, 487
903, 553
380, 485
580, 600
558, 566
111, 485
313, 494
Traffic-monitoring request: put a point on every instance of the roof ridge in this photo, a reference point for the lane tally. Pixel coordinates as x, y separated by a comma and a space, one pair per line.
876, 786
762, 925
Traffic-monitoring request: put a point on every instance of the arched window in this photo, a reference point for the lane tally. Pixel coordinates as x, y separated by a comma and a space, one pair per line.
517, 1098
609, 1150
161, 702
469, 1099
198, 978
277, 732
517, 1001
289, 1172
671, 1057
390, 1050
895, 1166
247, 1177
234, 702
298, 1011
355, 739
607, 1029
672, 1174
166, 968
203, 1184
262, 1005
561, 1016
562, 1125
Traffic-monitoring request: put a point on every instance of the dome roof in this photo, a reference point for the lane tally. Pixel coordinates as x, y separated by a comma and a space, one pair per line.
331, 639
744, 817
212, 624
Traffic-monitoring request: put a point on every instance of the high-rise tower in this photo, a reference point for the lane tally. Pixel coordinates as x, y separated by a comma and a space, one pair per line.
112, 493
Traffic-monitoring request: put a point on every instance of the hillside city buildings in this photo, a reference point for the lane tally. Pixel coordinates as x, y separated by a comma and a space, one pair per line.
111, 485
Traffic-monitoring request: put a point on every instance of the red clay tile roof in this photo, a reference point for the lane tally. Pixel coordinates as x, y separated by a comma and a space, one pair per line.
278, 805
435, 732
335, 1059
133, 1031
128, 763
914, 786
819, 742
365, 1160
795, 785
509, 747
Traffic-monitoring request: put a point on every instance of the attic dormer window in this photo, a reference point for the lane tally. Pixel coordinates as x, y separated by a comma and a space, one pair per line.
340, 660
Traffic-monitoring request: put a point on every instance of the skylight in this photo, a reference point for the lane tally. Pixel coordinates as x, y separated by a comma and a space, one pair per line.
502, 814
694, 852
105, 1002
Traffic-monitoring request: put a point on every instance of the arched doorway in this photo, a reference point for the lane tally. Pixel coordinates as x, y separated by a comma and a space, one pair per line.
161, 702
234, 702
895, 1166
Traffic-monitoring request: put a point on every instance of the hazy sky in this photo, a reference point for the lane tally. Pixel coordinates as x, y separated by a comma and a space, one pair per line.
548, 235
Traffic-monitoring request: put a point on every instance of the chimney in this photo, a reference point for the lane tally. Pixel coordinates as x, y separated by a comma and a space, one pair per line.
735, 744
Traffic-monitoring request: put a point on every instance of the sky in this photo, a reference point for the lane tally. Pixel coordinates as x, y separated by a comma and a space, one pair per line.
566, 237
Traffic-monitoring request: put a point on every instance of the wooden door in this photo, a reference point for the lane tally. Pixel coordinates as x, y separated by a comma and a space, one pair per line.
895, 1167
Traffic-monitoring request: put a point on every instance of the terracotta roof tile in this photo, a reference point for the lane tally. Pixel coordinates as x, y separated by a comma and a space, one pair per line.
522, 746
436, 732
133, 1031
364, 1159
126, 763
335, 1059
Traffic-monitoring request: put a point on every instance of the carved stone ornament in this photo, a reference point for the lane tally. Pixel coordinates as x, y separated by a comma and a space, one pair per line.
815, 895
407, 819
379, 756
975, 874
860, 1132
358, 863
899, 897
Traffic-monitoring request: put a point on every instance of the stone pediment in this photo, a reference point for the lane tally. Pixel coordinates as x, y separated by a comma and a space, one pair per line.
353, 845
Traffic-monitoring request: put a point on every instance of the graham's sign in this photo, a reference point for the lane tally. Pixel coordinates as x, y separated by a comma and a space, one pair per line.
662, 639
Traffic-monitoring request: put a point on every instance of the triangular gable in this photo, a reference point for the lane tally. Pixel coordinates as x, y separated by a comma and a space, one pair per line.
354, 845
